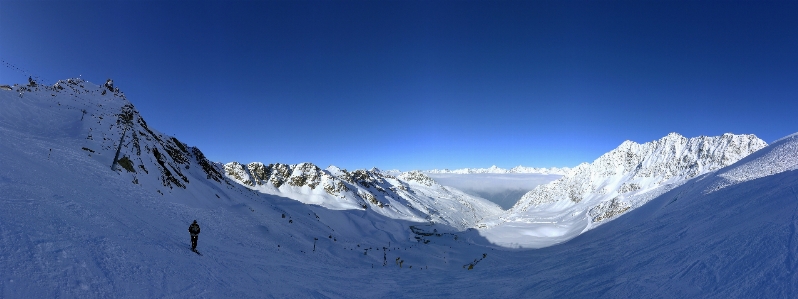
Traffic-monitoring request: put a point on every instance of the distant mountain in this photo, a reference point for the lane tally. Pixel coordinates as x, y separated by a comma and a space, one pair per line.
407, 195
494, 169
586, 196
618, 181
633, 169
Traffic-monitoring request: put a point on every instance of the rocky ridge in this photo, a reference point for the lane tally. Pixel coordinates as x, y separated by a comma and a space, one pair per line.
407, 195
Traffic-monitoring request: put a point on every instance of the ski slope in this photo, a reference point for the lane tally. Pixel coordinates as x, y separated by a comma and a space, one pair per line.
70, 226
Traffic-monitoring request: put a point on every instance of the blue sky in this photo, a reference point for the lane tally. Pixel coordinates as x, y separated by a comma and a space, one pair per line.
422, 84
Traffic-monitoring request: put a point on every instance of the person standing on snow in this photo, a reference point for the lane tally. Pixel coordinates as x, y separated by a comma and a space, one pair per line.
194, 230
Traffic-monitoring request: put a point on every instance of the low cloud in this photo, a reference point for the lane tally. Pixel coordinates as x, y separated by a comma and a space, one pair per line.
504, 189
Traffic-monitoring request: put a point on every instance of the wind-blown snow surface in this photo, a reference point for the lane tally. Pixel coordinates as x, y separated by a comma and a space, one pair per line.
779, 158
72, 227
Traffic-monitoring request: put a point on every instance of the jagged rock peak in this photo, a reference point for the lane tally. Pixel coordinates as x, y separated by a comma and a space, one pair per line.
301, 174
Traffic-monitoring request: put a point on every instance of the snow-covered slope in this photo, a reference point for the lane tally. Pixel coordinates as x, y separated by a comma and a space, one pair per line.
96, 119
71, 227
494, 169
103, 116
618, 181
694, 241
780, 157
410, 196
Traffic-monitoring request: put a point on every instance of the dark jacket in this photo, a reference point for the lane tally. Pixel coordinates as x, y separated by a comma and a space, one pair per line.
194, 229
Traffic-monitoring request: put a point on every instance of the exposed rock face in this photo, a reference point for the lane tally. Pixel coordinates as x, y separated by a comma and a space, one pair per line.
608, 209
409, 195
172, 156
633, 169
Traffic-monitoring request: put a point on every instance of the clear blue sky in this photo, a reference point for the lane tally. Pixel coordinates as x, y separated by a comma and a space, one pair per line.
427, 84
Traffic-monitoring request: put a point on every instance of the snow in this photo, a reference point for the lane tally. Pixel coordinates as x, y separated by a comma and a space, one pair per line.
72, 227
778, 158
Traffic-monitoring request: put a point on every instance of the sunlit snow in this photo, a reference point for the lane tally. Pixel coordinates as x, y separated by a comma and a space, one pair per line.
70, 226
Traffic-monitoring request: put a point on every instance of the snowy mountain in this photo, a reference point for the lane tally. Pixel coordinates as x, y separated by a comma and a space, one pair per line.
410, 196
71, 226
107, 128
694, 241
494, 169
618, 181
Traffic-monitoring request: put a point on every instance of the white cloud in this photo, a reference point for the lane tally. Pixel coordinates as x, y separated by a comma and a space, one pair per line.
503, 189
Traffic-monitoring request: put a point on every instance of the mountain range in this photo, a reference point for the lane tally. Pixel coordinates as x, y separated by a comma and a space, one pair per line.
95, 204
410, 196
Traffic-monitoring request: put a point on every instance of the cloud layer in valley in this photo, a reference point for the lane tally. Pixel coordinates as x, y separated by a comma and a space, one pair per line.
503, 189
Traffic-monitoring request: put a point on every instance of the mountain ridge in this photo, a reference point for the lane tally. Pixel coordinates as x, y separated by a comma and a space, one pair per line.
671, 157
404, 195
